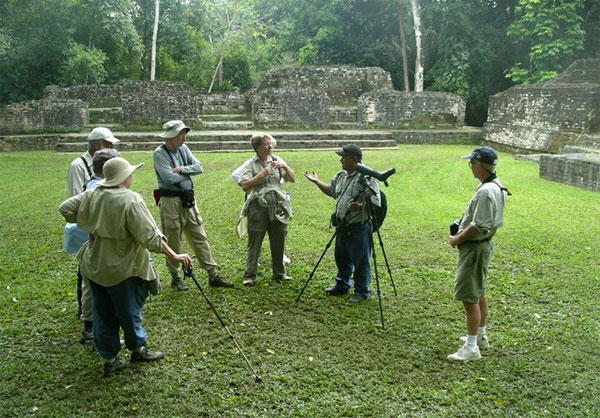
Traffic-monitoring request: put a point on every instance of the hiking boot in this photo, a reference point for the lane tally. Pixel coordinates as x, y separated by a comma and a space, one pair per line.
482, 341
357, 298
177, 284
87, 338
336, 290
112, 366
143, 354
465, 354
219, 281
248, 281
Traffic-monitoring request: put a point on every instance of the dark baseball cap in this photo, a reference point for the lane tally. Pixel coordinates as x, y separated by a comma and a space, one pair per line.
350, 149
486, 155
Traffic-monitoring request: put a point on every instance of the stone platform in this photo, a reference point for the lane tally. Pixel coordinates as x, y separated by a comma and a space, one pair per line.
581, 170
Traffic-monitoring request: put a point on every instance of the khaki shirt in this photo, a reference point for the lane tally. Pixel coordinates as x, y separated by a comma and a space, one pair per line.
485, 210
345, 188
122, 227
78, 175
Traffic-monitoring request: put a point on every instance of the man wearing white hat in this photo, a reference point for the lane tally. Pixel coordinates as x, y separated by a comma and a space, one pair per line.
80, 170
116, 260
174, 165
79, 174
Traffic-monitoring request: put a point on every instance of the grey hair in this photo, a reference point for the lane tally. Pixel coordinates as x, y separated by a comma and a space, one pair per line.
490, 168
256, 139
101, 157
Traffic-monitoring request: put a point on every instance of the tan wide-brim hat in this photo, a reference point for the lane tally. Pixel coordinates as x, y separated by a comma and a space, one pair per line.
172, 129
116, 170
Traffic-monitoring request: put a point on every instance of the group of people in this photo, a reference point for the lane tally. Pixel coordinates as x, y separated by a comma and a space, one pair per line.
114, 262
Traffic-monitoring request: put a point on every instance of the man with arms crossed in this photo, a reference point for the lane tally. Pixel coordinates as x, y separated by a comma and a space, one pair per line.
482, 218
174, 164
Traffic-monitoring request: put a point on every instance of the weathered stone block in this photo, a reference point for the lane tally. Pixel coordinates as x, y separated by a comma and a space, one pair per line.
274, 107
547, 116
396, 108
581, 170
43, 114
341, 84
142, 109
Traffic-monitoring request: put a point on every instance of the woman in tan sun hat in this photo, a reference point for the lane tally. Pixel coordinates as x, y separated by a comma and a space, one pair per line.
116, 261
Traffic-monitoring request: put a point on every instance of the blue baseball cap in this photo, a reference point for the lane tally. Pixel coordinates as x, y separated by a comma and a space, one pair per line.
486, 155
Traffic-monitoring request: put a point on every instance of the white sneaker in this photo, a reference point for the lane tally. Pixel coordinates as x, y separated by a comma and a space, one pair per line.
286, 260
465, 354
482, 341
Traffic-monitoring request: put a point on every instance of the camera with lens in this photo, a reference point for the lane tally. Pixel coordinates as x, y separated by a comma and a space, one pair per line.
454, 227
187, 198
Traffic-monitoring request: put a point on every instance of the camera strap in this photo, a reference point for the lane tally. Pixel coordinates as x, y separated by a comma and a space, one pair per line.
491, 178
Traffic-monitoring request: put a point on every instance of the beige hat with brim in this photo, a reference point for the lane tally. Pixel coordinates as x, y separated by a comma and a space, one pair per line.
172, 129
116, 170
102, 134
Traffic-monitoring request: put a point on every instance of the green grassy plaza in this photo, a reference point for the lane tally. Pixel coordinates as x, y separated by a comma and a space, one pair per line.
322, 356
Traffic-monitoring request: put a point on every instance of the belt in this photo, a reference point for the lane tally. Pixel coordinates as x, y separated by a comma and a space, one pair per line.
169, 193
476, 241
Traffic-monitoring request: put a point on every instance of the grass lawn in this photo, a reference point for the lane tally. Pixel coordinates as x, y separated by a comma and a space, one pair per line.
322, 356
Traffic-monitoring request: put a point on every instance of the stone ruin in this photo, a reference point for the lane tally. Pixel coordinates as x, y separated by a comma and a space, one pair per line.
316, 96
149, 102
547, 116
391, 108
559, 118
47, 114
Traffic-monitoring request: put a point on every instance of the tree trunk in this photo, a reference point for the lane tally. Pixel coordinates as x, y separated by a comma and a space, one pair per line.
154, 37
212, 82
418, 41
403, 46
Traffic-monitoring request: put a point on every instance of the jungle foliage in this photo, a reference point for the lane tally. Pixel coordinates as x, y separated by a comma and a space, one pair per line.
474, 48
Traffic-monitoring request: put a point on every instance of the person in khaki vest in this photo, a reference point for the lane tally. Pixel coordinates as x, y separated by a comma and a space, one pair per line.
174, 165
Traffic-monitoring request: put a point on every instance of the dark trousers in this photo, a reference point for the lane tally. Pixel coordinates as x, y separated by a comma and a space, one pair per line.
352, 251
119, 306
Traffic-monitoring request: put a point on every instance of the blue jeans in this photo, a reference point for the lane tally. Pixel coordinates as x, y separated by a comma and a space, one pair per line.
118, 306
352, 251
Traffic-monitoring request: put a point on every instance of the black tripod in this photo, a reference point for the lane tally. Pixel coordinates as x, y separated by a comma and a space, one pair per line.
190, 273
375, 224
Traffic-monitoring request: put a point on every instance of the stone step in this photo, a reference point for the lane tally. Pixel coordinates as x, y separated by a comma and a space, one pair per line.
235, 145
244, 135
219, 117
228, 124
343, 113
105, 115
581, 170
344, 125
574, 149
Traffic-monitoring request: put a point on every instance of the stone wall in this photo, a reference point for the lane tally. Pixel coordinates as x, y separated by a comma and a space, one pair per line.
43, 114
543, 117
581, 170
396, 108
341, 84
147, 109
281, 107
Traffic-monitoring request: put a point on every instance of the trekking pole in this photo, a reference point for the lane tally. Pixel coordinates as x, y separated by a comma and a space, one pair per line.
190, 273
317, 265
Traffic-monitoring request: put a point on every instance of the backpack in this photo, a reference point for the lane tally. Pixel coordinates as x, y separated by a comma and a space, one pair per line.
379, 212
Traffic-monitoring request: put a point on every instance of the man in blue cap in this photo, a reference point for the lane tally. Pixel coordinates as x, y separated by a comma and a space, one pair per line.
482, 218
350, 189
